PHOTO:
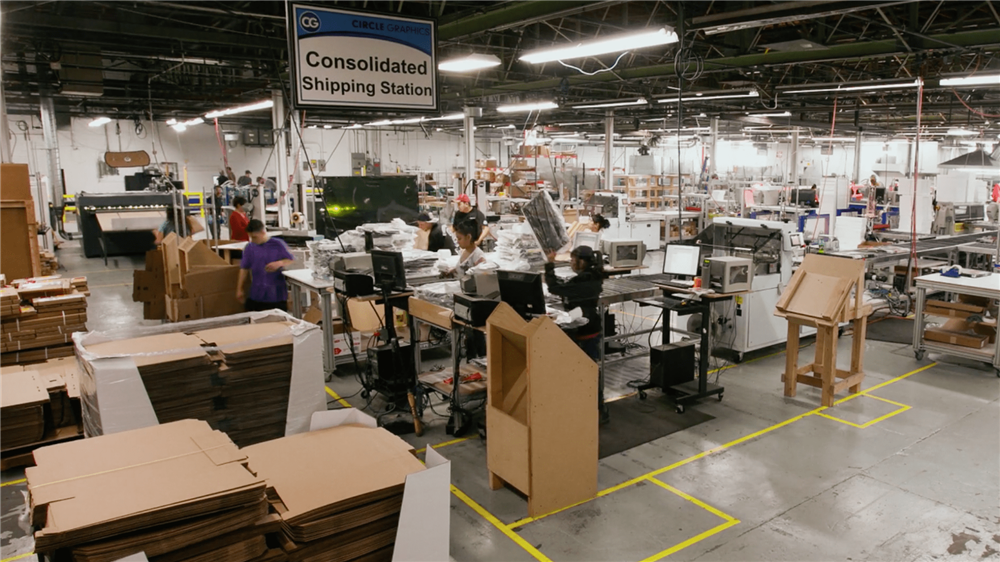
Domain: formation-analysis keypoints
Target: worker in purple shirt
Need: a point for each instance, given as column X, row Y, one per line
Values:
column 264, row 258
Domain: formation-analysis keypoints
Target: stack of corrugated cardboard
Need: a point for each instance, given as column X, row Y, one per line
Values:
column 180, row 379
column 41, row 328
column 61, row 406
column 49, row 263
column 18, row 226
column 184, row 279
column 178, row 491
column 237, row 378
column 255, row 371
column 22, row 409
column 350, row 517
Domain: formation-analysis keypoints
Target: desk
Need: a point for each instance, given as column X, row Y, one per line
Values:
column 299, row 279
column 987, row 286
column 458, row 394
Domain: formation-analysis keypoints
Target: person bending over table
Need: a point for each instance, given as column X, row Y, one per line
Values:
column 264, row 258
column 581, row 291
column 437, row 239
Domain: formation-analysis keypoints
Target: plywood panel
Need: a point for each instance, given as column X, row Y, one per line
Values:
column 18, row 231
column 562, row 417
column 507, row 452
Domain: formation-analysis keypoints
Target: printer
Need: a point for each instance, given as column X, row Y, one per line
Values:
column 727, row 274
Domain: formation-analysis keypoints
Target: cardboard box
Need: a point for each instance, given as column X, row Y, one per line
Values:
column 209, row 305
column 975, row 341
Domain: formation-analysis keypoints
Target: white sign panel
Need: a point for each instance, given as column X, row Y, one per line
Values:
column 342, row 58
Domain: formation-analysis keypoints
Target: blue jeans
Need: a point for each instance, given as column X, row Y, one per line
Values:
column 591, row 346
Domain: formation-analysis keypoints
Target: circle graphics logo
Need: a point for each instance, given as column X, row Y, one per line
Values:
column 309, row 21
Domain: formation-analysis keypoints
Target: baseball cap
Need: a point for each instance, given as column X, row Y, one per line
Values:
column 464, row 198
column 423, row 217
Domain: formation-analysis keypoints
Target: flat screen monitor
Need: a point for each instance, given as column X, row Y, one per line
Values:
column 681, row 259
column 522, row 291
column 388, row 270
column 353, row 201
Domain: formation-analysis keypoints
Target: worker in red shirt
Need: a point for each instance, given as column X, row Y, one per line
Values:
column 238, row 220
column 996, row 192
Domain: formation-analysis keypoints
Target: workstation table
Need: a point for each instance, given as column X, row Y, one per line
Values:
column 685, row 304
column 301, row 281
column 987, row 286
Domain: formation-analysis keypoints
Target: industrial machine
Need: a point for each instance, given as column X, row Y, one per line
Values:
column 748, row 323
column 727, row 274
column 120, row 223
column 624, row 226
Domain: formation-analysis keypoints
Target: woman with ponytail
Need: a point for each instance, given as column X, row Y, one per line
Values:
column 581, row 291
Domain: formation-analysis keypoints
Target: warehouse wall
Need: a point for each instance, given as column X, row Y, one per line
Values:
column 82, row 147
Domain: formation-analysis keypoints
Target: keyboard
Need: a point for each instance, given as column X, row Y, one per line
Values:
column 682, row 283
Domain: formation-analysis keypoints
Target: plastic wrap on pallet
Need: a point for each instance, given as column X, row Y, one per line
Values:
column 113, row 396
column 546, row 222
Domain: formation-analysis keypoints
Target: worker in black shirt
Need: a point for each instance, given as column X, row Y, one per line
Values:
column 466, row 212
column 437, row 239
column 581, row 291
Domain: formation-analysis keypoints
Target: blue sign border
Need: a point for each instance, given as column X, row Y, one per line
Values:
column 296, row 32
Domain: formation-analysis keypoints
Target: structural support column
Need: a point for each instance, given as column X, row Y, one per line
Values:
column 52, row 165
column 793, row 159
column 609, row 148
column 470, row 157
column 280, row 160
column 713, row 149
column 857, row 157
column 6, row 155
column 299, row 160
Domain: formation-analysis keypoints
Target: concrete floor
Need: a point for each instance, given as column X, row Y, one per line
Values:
column 907, row 471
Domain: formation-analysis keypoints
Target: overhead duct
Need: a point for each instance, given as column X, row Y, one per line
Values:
column 82, row 73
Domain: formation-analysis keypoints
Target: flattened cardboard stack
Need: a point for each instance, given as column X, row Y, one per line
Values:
column 236, row 378
column 178, row 491
column 49, row 263
column 256, row 372
column 189, row 278
column 22, row 409
column 60, row 407
column 41, row 327
column 353, row 516
column 181, row 380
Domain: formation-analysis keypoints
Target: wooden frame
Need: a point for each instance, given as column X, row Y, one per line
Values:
column 541, row 415
column 819, row 295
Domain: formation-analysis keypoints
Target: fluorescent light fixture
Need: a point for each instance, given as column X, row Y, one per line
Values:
column 613, row 44
column 354, row 126
column 331, row 126
column 311, row 127
column 961, row 133
column 469, row 63
column 522, row 107
column 449, row 117
column 569, row 140
column 778, row 114
column 239, row 109
column 750, row 94
column 100, row 121
column 859, row 88
column 834, row 139
column 181, row 127
column 580, row 124
column 381, row 123
column 407, row 121
column 984, row 80
column 640, row 101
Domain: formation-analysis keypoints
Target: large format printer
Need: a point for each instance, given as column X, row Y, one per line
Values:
column 120, row 223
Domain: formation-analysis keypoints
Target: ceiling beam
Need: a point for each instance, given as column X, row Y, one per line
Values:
column 516, row 14
column 849, row 51
column 780, row 12
column 26, row 19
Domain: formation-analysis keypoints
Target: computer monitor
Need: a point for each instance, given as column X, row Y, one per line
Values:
column 624, row 253
column 682, row 259
column 522, row 291
column 388, row 270
column 584, row 238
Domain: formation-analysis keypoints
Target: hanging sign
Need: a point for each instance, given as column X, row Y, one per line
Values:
column 344, row 58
